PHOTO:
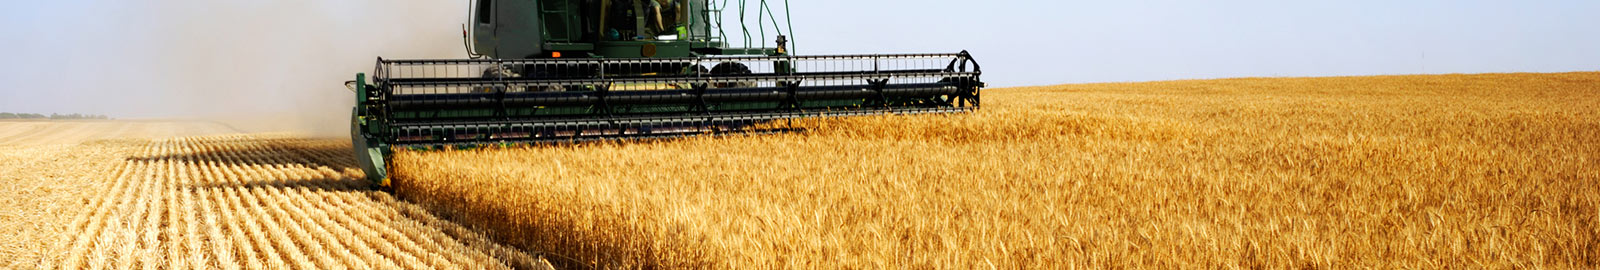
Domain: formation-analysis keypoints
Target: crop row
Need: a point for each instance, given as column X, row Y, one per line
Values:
column 259, row 202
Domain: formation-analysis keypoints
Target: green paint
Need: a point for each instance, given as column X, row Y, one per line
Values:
column 511, row 29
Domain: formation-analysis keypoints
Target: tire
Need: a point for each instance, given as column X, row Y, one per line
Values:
column 496, row 72
column 731, row 68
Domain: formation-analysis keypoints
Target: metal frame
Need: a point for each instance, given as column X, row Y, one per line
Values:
column 421, row 103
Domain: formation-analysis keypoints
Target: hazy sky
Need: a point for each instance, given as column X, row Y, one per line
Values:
column 227, row 58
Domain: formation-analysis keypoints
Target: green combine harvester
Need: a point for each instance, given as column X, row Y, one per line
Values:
column 582, row 70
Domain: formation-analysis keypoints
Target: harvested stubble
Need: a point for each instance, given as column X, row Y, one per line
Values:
column 48, row 167
column 250, row 202
column 1490, row 170
column 39, row 185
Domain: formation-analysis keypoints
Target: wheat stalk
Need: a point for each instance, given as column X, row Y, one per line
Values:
column 1469, row 171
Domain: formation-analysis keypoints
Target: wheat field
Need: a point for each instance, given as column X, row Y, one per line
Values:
column 258, row 201
column 46, row 167
column 1434, row 171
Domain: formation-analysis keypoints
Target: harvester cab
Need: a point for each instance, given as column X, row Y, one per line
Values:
column 580, row 70
column 532, row 29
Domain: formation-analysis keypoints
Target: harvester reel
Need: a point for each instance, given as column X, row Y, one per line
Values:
column 425, row 103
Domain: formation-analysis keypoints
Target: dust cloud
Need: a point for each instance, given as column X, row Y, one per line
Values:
column 255, row 65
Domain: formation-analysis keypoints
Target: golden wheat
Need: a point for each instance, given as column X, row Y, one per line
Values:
column 1472, row 171
column 223, row 202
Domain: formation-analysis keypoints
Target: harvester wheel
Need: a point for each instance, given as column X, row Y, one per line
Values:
column 691, row 70
column 731, row 68
column 497, row 73
column 544, row 72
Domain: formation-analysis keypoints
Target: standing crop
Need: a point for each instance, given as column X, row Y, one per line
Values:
column 1474, row 171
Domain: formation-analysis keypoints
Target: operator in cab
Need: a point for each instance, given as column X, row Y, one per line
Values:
column 666, row 18
column 661, row 21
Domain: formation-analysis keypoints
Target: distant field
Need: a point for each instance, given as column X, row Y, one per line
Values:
column 36, row 132
column 1468, row 171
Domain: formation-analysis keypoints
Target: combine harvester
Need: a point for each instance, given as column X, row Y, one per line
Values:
column 580, row 70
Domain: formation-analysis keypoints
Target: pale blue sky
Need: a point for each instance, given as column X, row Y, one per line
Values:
column 178, row 58
column 1049, row 42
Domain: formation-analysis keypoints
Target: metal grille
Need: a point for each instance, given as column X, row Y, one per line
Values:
column 459, row 101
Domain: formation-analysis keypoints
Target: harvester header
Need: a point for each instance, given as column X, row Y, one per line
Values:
column 577, row 95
